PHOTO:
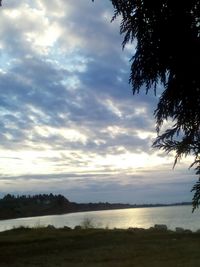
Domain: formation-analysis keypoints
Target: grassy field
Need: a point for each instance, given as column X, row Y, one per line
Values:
column 98, row 248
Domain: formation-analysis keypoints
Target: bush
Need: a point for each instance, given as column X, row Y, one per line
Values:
column 87, row 223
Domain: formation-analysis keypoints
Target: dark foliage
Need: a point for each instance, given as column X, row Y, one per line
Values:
column 25, row 206
column 167, row 33
column 48, row 204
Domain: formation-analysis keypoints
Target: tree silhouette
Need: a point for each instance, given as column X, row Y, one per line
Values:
column 167, row 35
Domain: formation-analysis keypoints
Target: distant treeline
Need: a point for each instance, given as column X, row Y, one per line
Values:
column 26, row 206
column 48, row 204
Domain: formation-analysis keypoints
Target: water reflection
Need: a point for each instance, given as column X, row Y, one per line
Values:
column 181, row 216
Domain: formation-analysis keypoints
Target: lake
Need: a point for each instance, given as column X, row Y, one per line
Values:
column 177, row 216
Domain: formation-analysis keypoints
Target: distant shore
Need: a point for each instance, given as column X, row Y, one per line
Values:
column 12, row 207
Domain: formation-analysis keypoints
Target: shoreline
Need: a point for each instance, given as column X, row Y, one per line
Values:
column 162, row 228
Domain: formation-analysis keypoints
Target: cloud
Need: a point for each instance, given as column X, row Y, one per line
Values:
column 67, row 114
column 113, row 187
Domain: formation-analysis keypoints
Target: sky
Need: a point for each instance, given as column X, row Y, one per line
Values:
column 69, row 123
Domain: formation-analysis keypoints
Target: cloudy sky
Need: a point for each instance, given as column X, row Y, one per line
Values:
column 69, row 122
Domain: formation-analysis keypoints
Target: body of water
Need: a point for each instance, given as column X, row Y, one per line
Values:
column 178, row 216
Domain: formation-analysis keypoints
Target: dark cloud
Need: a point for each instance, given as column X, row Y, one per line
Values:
column 120, row 187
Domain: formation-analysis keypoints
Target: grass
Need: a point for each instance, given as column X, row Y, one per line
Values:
column 43, row 247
